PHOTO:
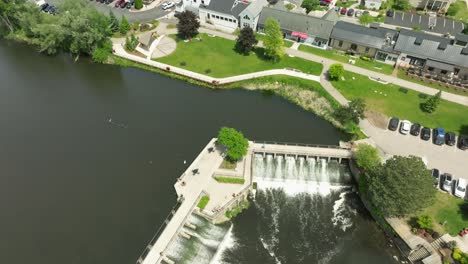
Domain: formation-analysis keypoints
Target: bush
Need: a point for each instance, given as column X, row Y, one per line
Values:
column 138, row 4
column 207, row 70
column 452, row 244
column 101, row 53
column 136, row 25
column 425, row 222
column 336, row 71
column 367, row 157
column 365, row 58
column 453, row 10
column 430, row 106
column 124, row 26
column 183, row 63
column 289, row 6
column 230, row 180
column 203, row 202
column 131, row 43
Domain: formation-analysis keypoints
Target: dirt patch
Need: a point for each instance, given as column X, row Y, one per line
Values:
column 377, row 119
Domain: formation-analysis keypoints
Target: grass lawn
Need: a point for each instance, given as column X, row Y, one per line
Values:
column 449, row 209
column 203, row 202
column 331, row 54
column 458, row 11
column 216, row 57
column 226, row 164
column 286, row 43
column 402, row 75
column 345, row 4
column 226, row 179
column 448, row 115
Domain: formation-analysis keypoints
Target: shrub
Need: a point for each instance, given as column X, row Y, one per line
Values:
column 336, row 71
column 365, row 58
column 203, row 202
column 452, row 244
column 131, row 43
column 453, row 10
column 430, row 106
column 207, row 70
column 230, row 180
column 102, row 52
column 183, row 63
column 136, row 25
column 425, row 222
column 367, row 157
column 289, row 6
column 138, row 4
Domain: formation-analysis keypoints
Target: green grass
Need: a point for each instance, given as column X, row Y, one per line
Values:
column 449, row 209
column 226, row 179
column 203, row 202
column 451, row 116
column 347, row 4
column 402, row 75
column 458, row 11
column 216, row 57
column 331, row 54
column 228, row 165
column 286, row 43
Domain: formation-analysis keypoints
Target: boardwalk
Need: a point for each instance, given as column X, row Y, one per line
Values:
column 303, row 150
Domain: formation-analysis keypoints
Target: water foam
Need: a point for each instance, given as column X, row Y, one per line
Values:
column 339, row 210
column 228, row 242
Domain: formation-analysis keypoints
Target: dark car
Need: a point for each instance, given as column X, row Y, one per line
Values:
column 425, row 133
column 436, row 174
column 350, row 12
column 53, row 10
column 102, row 1
column 390, row 13
column 438, row 136
column 130, row 4
column 119, row 2
column 123, row 4
column 450, row 138
column 463, row 142
column 43, row 6
column 109, row 1
column 393, row 124
column 343, row 11
column 47, row 9
column 415, row 129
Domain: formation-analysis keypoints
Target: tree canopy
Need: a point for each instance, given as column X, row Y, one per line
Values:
column 431, row 104
column 354, row 111
column 246, row 40
column 402, row 186
column 124, row 26
column 366, row 19
column 188, row 24
column 138, row 4
column 336, row 71
column 367, row 157
column 310, row 5
column 234, row 141
column 273, row 40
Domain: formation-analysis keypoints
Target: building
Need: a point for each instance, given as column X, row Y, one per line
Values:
column 302, row 28
column 191, row 5
column 249, row 17
column 439, row 58
column 432, row 5
column 374, row 41
column 373, row 4
column 222, row 14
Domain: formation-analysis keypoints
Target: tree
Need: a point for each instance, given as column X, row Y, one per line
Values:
column 124, row 26
column 101, row 53
column 424, row 222
column 430, row 106
column 403, row 185
column 234, row 141
column 366, row 19
column 273, row 40
column 131, row 43
column 188, row 24
column 310, row 5
column 138, row 4
column 353, row 112
column 402, row 5
column 114, row 22
column 367, row 157
column 246, row 40
column 336, row 71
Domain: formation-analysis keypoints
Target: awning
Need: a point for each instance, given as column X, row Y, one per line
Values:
column 299, row 34
column 439, row 65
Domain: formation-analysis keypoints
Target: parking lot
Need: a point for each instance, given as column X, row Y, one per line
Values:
column 448, row 159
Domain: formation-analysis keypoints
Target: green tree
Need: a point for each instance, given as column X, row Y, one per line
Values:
column 101, row 53
column 431, row 104
column 402, row 5
column 234, row 141
column 425, row 222
column 354, row 111
column 131, row 43
column 246, row 40
column 138, row 4
column 124, row 26
column 366, row 19
column 310, row 5
column 273, row 41
column 188, row 24
column 114, row 22
column 402, row 186
column 336, row 71
column 367, row 157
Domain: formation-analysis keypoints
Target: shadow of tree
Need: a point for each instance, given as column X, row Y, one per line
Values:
column 413, row 222
column 464, row 129
column 464, row 210
column 260, row 53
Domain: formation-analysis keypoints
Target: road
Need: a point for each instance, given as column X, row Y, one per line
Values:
column 143, row 16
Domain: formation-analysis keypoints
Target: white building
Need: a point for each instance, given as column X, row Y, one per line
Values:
column 373, row 4
column 249, row 17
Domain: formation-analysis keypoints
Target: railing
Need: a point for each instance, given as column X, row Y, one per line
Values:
column 299, row 144
column 160, row 230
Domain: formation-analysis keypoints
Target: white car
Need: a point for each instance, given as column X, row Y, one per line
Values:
column 167, row 5
column 448, row 180
column 405, row 127
column 460, row 188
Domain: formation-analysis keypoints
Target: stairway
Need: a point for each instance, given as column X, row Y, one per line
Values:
column 438, row 243
column 419, row 254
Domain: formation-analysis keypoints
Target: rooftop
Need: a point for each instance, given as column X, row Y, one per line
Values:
column 231, row 7
column 375, row 37
column 440, row 25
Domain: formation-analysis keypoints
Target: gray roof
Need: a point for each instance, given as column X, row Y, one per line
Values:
column 379, row 38
column 439, row 65
column 461, row 37
column 226, row 7
column 439, row 25
column 290, row 21
column 432, row 47
column 256, row 7
column 331, row 15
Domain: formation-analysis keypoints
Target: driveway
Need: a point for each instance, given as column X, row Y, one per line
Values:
column 143, row 16
column 445, row 158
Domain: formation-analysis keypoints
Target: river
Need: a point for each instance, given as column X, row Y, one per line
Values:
column 78, row 189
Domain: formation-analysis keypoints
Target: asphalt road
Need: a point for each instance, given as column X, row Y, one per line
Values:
column 143, row 16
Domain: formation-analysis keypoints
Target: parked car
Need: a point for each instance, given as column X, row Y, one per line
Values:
column 337, row 9
column 167, row 5
column 43, row 6
column 460, row 188
column 102, row 1
column 130, row 4
column 415, row 129
column 366, row 13
column 450, row 138
column 119, row 2
column 124, row 4
column 425, row 133
column 438, row 136
column 405, row 127
column 109, row 1
column 463, row 142
column 390, row 13
column 343, row 11
column 350, row 12
column 47, row 9
column 448, row 181
column 324, row 3
column 393, row 124
column 358, row 13
column 436, row 174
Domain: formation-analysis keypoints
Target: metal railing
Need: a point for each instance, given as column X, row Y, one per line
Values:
column 299, row 144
